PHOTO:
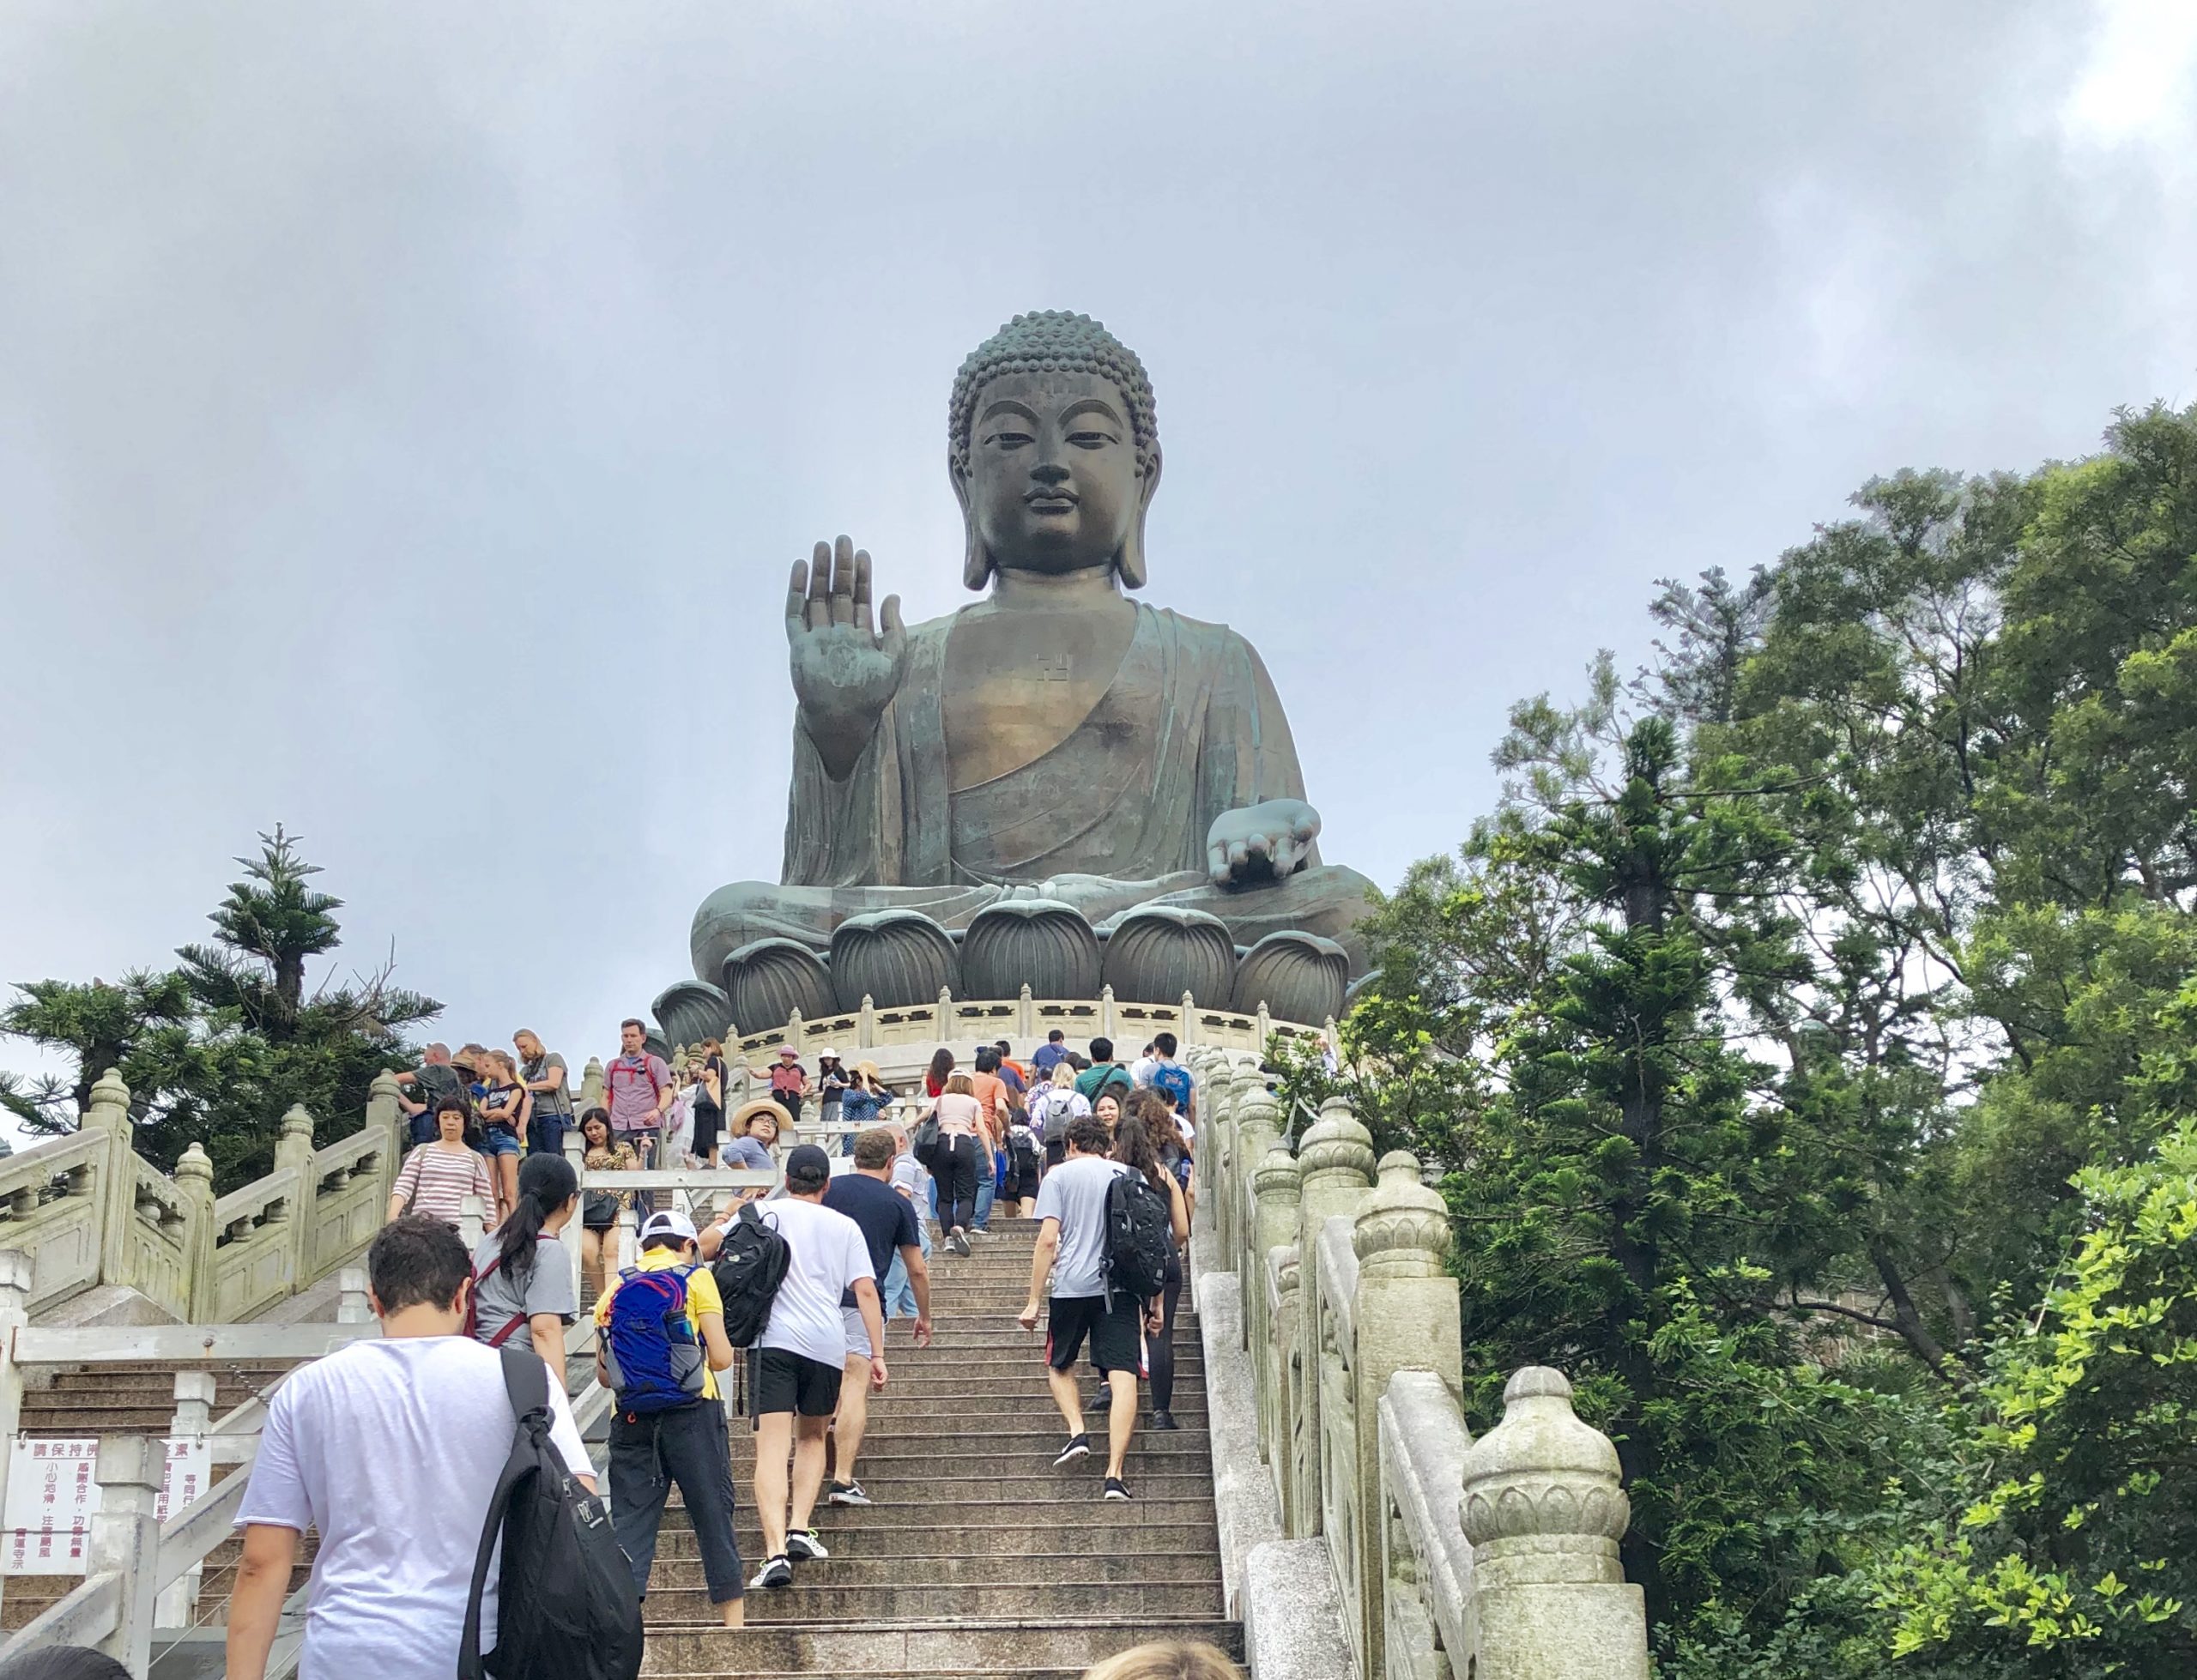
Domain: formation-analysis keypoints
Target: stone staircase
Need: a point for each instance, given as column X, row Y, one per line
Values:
column 978, row 1557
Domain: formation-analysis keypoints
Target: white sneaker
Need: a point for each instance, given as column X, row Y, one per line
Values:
column 775, row 1573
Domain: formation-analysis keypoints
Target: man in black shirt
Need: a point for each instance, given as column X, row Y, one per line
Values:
column 887, row 1220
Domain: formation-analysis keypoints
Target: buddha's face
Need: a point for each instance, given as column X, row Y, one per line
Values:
column 1053, row 485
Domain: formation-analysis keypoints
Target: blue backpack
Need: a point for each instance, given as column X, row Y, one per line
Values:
column 1174, row 1078
column 649, row 1347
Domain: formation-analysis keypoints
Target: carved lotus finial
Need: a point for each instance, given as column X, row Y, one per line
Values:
column 1276, row 1175
column 1403, row 1230
column 1543, row 1499
column 193, row 1164
column 1336, row 1142
column 1257, row 1106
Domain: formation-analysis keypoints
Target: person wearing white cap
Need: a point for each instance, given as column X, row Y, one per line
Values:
column 801, row 1357
column 661, row 1346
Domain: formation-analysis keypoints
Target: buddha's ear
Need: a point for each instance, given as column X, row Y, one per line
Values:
column 1130, row 563
column 975, row 562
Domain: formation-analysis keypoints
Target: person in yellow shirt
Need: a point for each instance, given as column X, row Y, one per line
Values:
column 670, row 1429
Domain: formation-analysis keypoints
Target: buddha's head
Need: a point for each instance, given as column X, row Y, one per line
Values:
column 1054, row 449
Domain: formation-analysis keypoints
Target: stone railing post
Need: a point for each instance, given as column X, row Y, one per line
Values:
column 1274, row 1189
column 353, row 1304
column 472, row 1222
column 590, row 1086
column 1025, row 1017
column 1254, row 1123
column 866, row 1022
column 1335, row 1162
column 1293, row 1372
column 194, row 1183
column 194, row 1416
column 126, row 1539
column 1187, row 1034
column 1544, row 1510
column 115, row 1175
column 385, row 1120
column 294, row 1149
column 1107, row 1015
column 943, row 1015
column 16, row 1275
column 1406, row 1321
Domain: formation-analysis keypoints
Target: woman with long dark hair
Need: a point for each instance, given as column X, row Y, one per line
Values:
column 599, row 1215
column 521, row 1275
column 1133, row 1149
column 940, row 1070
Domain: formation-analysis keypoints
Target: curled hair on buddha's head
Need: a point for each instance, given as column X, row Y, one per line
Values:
column 1055, row 341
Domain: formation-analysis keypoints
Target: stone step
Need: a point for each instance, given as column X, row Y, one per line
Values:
column 907, row 1411
column 1126, row 1566
column 978, row 1569
column 1058, row 1505
column 1076, row 1673
column 1023, row 1348
column 1011, row 1453
column 1144, row 1480
column 898, row 1536
column 840, row 1605
column 927, row 1648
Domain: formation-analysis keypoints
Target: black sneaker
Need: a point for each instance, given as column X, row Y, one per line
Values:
column 1079, row 1447
column 1163, row 1419
column 958, row 1242
column 777, row 1573
column 1116, row 1488
column 847, row 1492
column 803, row 1547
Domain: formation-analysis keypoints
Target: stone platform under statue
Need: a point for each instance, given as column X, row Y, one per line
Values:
column 1056, row 786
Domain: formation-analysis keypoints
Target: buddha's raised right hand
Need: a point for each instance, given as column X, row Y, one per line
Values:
column 844, row 674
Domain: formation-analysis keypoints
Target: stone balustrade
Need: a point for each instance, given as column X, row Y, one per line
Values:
column 964, row 1022
column 1363, row 1529
column 88, row 1210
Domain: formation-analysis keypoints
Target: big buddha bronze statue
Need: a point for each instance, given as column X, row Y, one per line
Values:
column 1054, row 744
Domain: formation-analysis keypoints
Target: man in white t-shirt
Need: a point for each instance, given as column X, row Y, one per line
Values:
column 801, row 1357
column 1072, row 1252
column 390, row 1449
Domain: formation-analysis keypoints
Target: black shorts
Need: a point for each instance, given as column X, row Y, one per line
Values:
column 1022, row 1182
column 1116, row 1337
column 709, row 1129
column 791, row 1383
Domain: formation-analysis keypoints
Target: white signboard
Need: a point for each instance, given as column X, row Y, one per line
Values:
column 51, row 1499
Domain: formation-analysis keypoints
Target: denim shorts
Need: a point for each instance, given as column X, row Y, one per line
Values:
column 498, row 1140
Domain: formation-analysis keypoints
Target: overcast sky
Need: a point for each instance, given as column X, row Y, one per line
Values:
column 409, row 413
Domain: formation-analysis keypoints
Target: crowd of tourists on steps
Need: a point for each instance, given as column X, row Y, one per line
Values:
column 418, row 1456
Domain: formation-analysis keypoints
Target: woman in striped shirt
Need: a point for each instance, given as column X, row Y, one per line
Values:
column 437, row 1177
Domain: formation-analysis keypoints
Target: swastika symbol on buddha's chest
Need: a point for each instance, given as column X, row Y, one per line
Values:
column 1052, row 668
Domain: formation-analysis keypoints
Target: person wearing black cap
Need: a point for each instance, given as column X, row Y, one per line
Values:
column 801, row 1357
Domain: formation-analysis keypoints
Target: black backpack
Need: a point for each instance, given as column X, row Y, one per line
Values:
column 1140, row 1237
column 565, row 1604
column 748, row 1270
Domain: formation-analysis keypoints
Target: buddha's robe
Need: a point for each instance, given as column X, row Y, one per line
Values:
column 1112, row 817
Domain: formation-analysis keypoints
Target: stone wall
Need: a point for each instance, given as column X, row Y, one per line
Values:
column 1363, row 1530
